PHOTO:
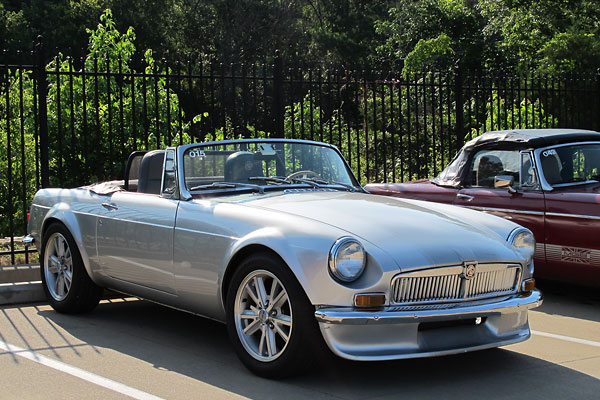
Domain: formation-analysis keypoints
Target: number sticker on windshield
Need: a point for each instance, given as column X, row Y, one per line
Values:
column 267, row 149
column 551, row 152
column 197, row 153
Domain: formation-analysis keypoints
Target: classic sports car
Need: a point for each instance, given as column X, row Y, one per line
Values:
column 547, row 180
column 277, row 239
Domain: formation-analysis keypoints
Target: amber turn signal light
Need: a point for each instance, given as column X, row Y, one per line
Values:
column 369, row 300
column 528, row 285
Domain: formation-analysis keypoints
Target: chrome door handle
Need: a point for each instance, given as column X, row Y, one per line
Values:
column 465, row 196
column 110, row 206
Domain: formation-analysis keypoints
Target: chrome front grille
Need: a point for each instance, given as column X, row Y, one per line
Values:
column 451, row 284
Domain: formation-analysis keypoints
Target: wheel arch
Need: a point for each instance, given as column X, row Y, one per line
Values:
column 237, row 259
column 62, row 214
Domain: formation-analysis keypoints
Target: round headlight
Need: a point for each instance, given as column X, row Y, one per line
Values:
column 347, row 259
column 522, row 239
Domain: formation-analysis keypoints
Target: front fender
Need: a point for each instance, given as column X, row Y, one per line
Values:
column 290, row 249
column 307, row 257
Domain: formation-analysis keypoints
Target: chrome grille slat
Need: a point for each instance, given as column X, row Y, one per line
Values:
column 447, row 283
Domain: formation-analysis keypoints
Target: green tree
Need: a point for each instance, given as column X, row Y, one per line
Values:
column 90, row 118
column 412, row 24
column 20, row 132
column 544, row 35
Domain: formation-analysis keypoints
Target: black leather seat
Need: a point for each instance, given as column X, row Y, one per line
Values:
column 242, row 165
column 151, row 170
column 489, row 167
column 551, row 168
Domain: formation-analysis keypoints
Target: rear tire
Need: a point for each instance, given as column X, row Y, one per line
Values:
column 66, row 283
column 270, row 320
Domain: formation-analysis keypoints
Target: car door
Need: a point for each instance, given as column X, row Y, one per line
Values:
column 134, row 238
column 522, row 203
column 572, row 213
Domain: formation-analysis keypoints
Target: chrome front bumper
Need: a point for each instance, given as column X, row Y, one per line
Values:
column 397, row 332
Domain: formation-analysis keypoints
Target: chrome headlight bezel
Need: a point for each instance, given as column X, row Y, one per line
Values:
column 523, row 240
column 336, row 268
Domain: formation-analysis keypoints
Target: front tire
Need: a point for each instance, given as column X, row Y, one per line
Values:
column 270, row 321
column 66, row 283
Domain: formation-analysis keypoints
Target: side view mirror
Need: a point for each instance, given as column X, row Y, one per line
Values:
column 505, row 181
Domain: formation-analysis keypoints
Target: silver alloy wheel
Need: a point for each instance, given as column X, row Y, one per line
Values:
column 263, row 315
column 58, row 266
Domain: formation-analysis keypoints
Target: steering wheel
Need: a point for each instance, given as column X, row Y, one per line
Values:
column 304, row 174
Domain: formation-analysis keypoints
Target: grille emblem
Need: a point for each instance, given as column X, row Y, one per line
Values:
column 470, row 269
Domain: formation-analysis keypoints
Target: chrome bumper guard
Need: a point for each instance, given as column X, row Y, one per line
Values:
column 440, row 312
column 28, row 240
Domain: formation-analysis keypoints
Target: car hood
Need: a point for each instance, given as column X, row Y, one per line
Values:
column 414, row 233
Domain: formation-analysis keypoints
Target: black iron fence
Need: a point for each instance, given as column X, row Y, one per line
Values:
column 65, row 122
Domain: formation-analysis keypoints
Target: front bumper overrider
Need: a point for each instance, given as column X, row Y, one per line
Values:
column 396, row 332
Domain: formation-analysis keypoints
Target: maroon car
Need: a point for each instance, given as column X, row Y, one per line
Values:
column 547, row 180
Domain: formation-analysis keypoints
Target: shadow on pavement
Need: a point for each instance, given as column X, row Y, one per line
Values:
column 570, row 300
column 198, row 348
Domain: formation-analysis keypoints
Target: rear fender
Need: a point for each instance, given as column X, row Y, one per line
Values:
column 62, row 212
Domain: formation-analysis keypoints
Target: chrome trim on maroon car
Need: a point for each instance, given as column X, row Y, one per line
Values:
column 506, row 210
column 551, row 214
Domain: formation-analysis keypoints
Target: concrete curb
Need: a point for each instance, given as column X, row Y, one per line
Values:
column 21, row 292
column 21, row 284
column 19, row 273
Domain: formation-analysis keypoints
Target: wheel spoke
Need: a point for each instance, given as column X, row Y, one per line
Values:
column 252, row 295
column 283, row 320
column 252, row 327
column 260, row 286
column 59, row 286
column 280, row 331
column 271, row 344
column 278, row 301
column 67, row 278
column 53, row 264
column 273, row 290
column 60, row 246
column 261, row 344
column 249, row 314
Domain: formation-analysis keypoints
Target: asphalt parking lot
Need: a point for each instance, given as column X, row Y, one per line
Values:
column 129, row 347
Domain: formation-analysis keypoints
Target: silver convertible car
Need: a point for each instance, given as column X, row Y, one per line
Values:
column 277, row 239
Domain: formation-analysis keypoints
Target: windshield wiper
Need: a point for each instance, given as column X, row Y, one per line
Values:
column 227, row 185
column 324, row 182
column 308, row 181
column 277, row 179
column 314, row 182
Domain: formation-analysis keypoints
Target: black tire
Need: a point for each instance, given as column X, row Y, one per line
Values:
column 83, row 294
column 305, row 340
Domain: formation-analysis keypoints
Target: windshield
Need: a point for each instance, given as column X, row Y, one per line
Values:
column 575, row 164
column 264, row 165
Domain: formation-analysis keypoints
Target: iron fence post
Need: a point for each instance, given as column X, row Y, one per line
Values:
column 459, row 107
column 278, row 107
column 42, row 84
column 598, row 99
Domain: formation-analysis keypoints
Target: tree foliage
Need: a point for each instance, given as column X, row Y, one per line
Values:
column 90, row 120
column 498, row 35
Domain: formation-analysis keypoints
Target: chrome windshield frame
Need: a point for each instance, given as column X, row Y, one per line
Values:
column 187, row 195
column 538, row 161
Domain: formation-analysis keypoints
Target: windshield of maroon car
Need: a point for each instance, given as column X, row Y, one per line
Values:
column 264, row 163
column 575, row 164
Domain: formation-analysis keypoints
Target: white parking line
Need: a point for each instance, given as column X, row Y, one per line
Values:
column 566, row 338
column 80, row 373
